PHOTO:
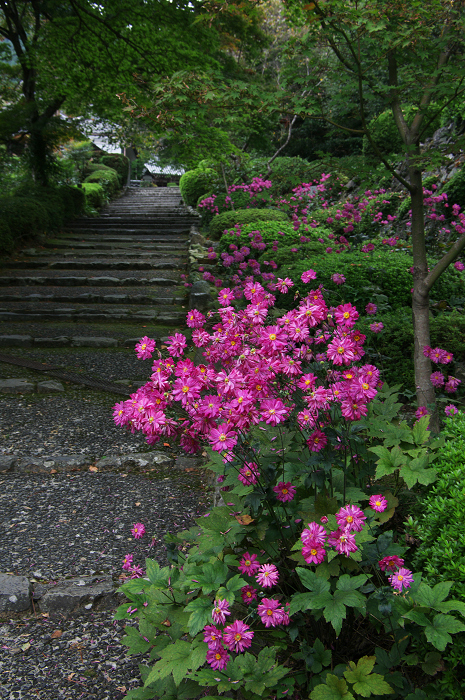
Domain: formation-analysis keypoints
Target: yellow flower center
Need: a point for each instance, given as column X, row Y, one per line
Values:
column 185, row 389
column 143, row 346
column 273, row 336
column 350, row 519
column 346, row 314
column 222, row 437
column 269, row 612
column 238, row 637
column 340, row 350
column 400, row 578
column 313, row 552
column 248, row 562
column 377, row 503
column 284, row 491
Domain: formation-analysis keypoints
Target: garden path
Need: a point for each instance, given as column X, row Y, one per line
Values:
column 72, row 483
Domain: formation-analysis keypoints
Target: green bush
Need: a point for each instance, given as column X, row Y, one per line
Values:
column 455, row 189
column 194, row 183
column 118, row 162
column 107, row 178
column 7, row 241
column 387, row 270
column 240, row 200
column 386, row 135
column 287, row 173
column 94, row 194
column 229, row 219
column 74, row 200
column 441, row 554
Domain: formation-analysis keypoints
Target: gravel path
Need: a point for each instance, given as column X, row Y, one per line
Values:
column 66, row 525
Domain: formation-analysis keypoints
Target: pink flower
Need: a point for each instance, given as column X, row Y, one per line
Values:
column 378, row 503
column 145, row 348
column 271, row 614
column 176, row 345
column 195, row 319
column 459, row 266
column 218, row 658
column 248, row 594
column 313, row 554
column 371, row 309
column 390, row 563
column 249, row 564
column 337, row 278
column 136, row 571
column 317, row 441
column 284, row 491
column 341, row 351
column 351, row 517
column 437, row 379
column 267, row 576
column 225, row 297
column 220, row 611
column 452, row 384
column 421, row 411
column 222, row 438
column 249, row 475
column 127, row 562
column 212, row 636
column 308, row 275
column 401, row 579
column 343, row 541
column 376, row 327
column 451, row 410
column 238, row 636
column 346, row 315
column 138, row 530
column 273, row 411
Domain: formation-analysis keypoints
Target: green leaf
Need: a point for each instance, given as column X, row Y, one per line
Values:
column 157, row 577
column 432, row 596
column 335, row 612
column 201, row 614
column 420, row 431
column 312, row 581
column 432, row 663
column 365, row 682
column 438, row 632
column 388, row 462
column 351, row 583
column 334, row 689
column 211, row 577
column 178, row 659
column 415, row 471
column 135, row 643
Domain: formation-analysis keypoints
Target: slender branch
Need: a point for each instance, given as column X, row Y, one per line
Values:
column 445, row 261
column 291, row 124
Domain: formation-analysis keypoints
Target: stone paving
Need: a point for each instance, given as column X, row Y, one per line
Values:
column 121, row 269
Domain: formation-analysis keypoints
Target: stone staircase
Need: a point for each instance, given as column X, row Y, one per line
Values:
column 124, row 266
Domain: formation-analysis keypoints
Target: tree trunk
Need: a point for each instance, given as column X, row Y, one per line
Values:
column 420, row 301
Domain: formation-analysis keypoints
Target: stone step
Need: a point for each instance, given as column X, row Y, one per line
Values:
column 92, row 265
column 82, row 281
column 90, row 298
column 102, row 243
column 168, row 317
column 171, row 255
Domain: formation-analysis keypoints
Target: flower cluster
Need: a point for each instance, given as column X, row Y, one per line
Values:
column 399, row 577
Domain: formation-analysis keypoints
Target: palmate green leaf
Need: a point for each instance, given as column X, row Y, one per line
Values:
column 351, row 583
column 438, row 632
column 135, row 643
column 178, row 659
column 210, row 577
column 388, row 461
column 334, row 689
column 416, row 471
column 157, row 577
column 311, row 581
column 420, row 431
column 432, row 596
column 365, row 682
column 201, row 614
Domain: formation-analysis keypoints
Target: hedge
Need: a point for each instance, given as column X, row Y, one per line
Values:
column 32, row 211
column 95, row 194
column 229, row 219
column 387, row 270
column 107, row 178
column 118, row 162
column 194, row 183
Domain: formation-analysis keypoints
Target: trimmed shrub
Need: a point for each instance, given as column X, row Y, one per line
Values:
column 240, row 200
column 74, row 199
column 194, row 183
column 108, row 179
column 387, row 270
column 94, row 194
column 118, row 162
column 283, row 232
column 441, row 555
column 229, row 219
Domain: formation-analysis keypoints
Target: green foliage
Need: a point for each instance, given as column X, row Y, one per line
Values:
column 287, row 173
column 194, row 183
column 441, row 530
column 108, row 179
column 95, row 194
column 118, row 162
column 270, row 231
column 455, row 188
column 229, row 219
column 7, row 240
column 386, row 135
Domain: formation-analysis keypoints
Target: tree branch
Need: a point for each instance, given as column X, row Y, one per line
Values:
column 445, row 261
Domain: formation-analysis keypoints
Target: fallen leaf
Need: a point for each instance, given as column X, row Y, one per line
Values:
column 138, row 503
column 166, row 622
column 26, row 646
column 123, row 475
column 122, row 688
column 189, row 469
column 93, row 469
column 166, row 444
column 56, row 634
column 70, row 677
column 244, row 519
column 53, row 471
